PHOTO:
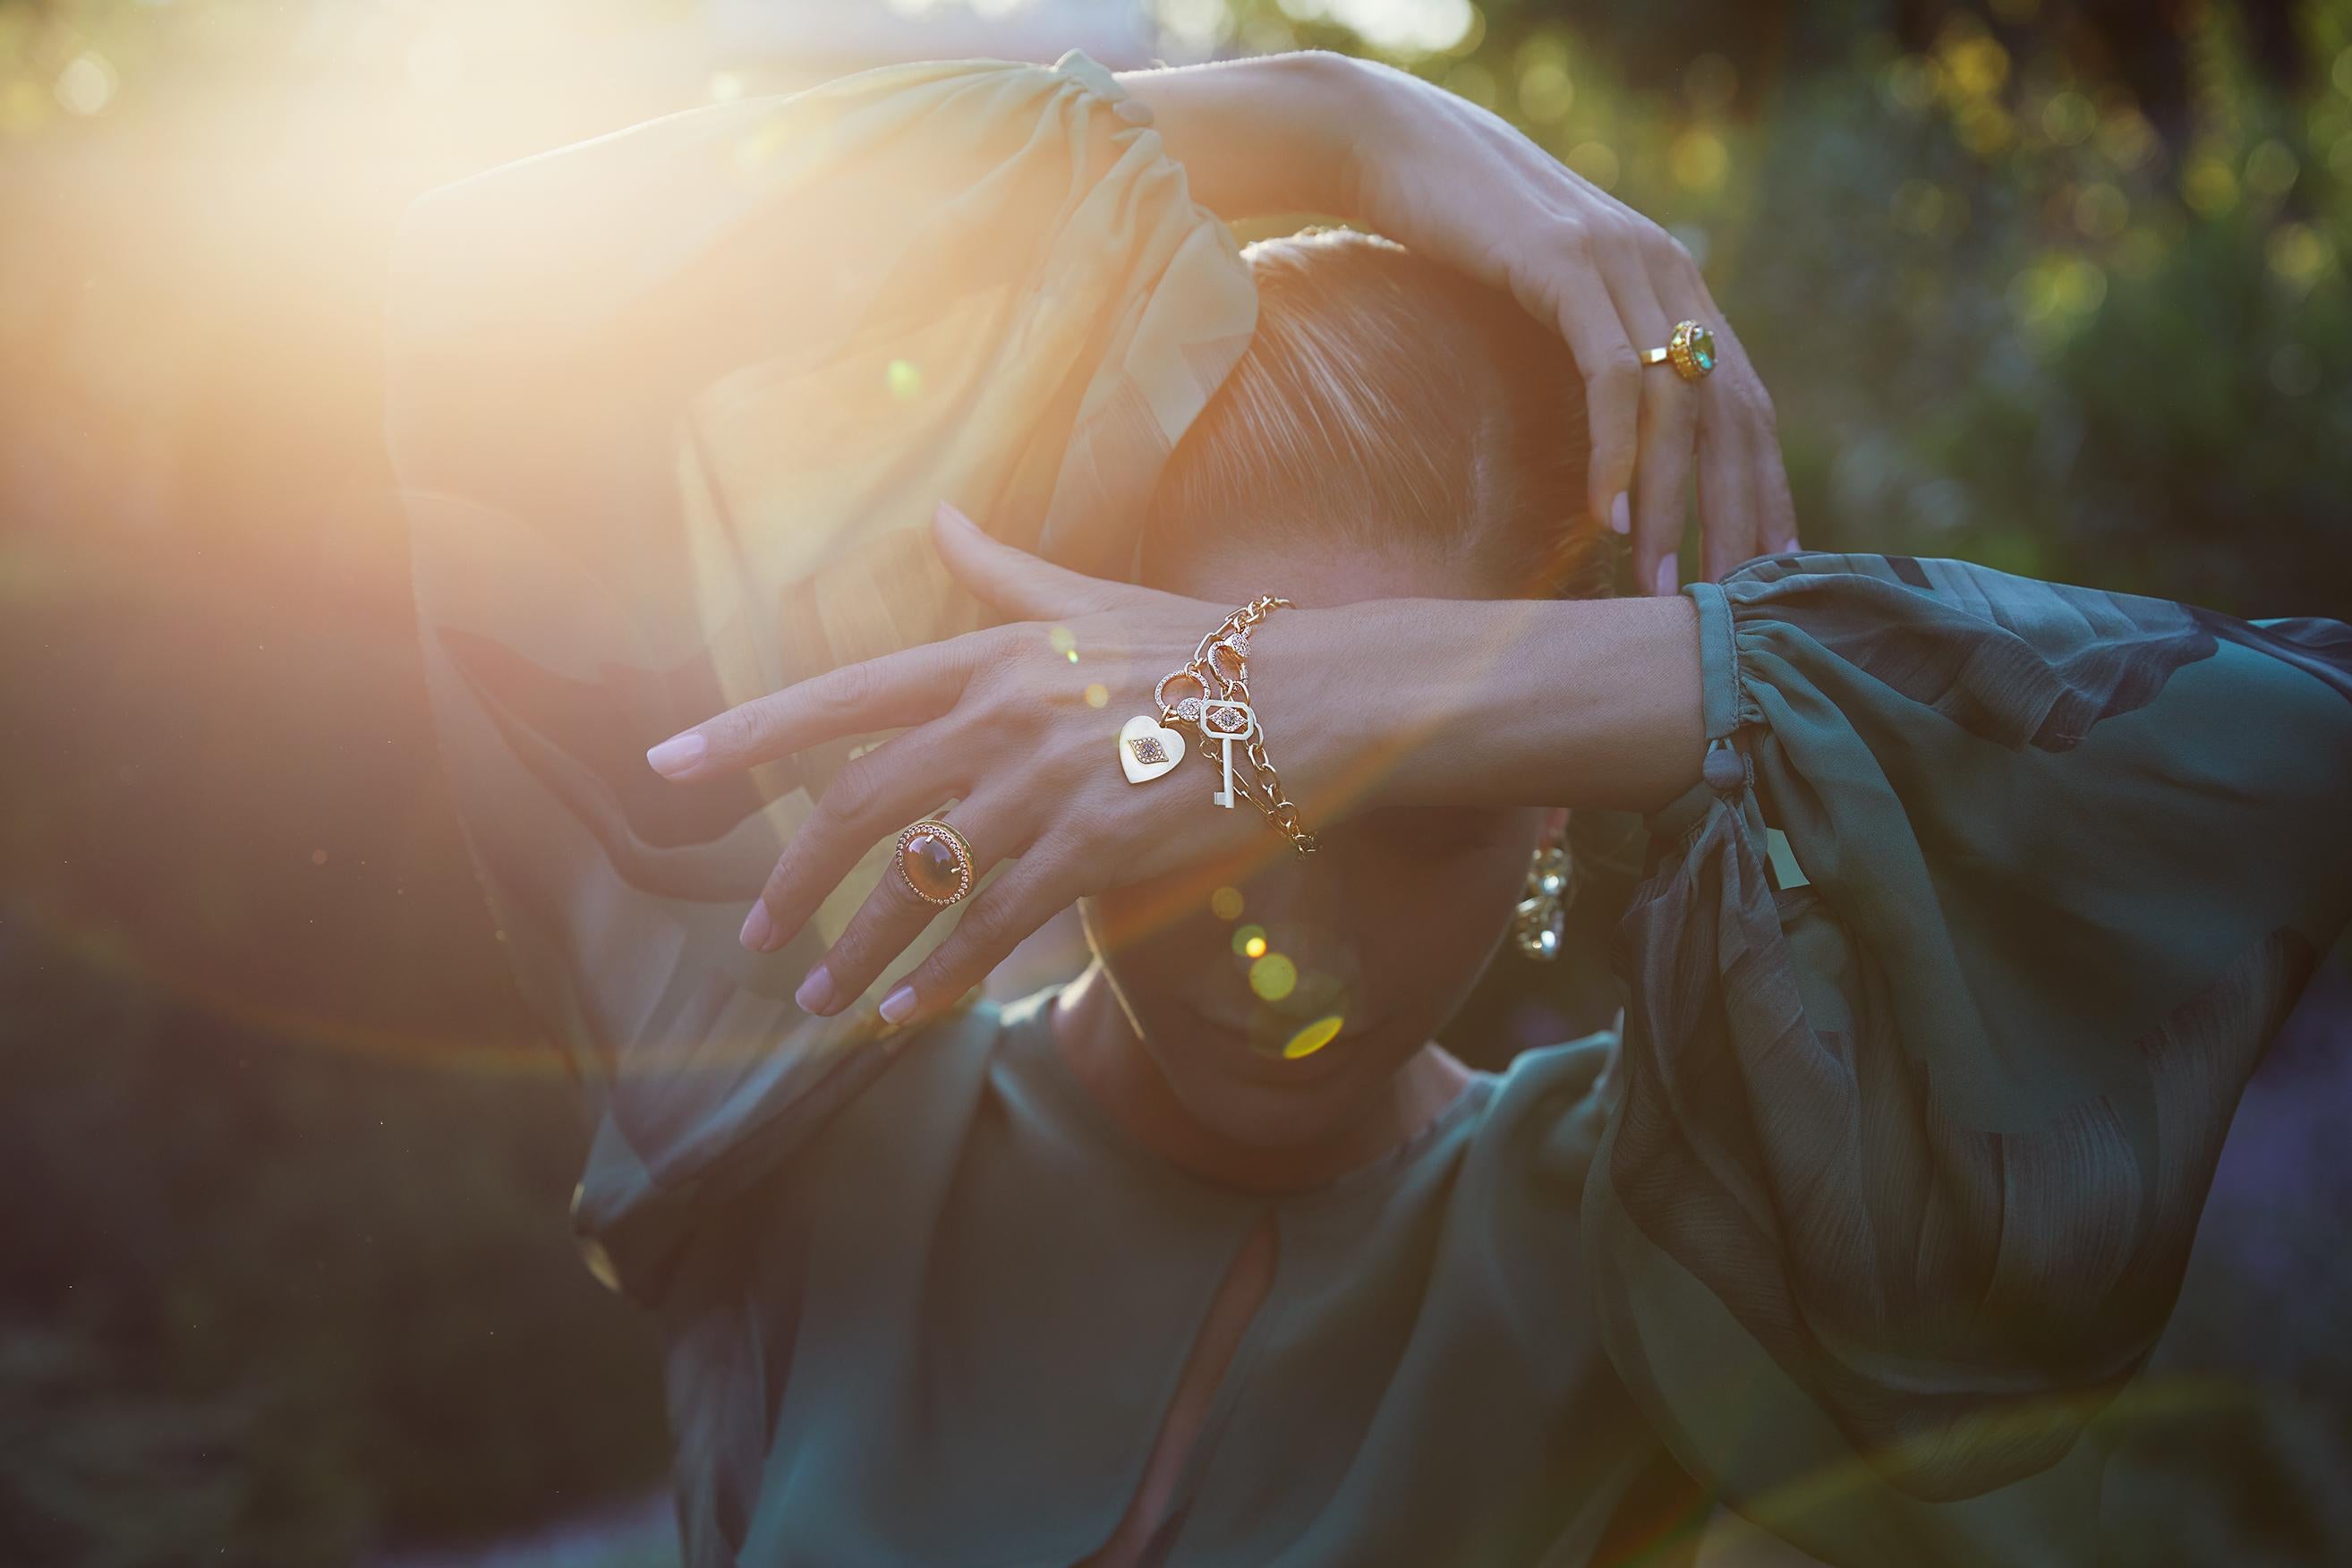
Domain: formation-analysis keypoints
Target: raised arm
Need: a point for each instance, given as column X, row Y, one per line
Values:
column 1385, row 151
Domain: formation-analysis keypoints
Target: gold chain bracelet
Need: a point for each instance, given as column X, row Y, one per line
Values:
column 1221, row 713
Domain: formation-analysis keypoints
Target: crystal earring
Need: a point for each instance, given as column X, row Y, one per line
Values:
column 1543, row 916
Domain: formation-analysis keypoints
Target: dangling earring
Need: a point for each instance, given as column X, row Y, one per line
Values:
column 1543, row 916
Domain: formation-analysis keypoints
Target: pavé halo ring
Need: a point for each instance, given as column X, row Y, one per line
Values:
column 935, row 861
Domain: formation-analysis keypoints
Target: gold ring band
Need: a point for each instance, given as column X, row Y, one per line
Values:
column 1691, row 351
column 936, row 862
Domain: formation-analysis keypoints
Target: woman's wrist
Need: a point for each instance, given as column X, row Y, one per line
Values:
column 1276, row 133
column 1590, row 703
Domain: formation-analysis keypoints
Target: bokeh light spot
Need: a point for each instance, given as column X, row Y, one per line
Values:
column 1597, row 162
column 903, row 379
column 1700, row 161
column 1245, row 937
column 1273, row 977
column 1225, row 903
column 2069, row 118
column 1255, row 947
column 1314, row 1036
column 2298, row 254
column 87, row 84
column 2209, row 186
column 1546, row 93
column 1098, row 694
column 2271, row 169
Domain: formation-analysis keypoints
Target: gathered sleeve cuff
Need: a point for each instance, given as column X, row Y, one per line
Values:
column 1943, row 988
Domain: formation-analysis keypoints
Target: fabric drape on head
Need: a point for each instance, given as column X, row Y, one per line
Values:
column 671, row 410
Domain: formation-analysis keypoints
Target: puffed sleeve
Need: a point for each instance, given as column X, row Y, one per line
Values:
column 1943, row 989
column 670, row 411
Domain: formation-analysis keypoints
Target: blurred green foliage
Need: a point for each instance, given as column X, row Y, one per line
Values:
column 2056, row 285
column 2060, row 285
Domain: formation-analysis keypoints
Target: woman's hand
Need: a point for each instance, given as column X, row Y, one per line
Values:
column 1000, row 721
column 1444, row 177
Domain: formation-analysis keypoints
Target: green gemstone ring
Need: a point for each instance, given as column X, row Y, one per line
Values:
column 1691, row 351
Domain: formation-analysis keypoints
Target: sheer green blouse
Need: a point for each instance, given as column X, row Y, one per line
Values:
column 1940, row 992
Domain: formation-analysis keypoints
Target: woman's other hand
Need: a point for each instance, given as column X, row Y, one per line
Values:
column 1321, row 132
column 1446, row 178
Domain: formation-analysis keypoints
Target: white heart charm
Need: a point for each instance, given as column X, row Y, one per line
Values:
column 1146, row 749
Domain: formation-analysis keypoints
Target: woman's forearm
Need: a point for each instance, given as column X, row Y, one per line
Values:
column 1592, row 703
column 1257, row 137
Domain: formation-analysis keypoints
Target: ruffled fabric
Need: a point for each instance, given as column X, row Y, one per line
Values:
column 1920, row 1103
column 671, row 410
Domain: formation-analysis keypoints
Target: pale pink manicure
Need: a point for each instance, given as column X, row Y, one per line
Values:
column 678, row 755
column 757, row 929
column 1787, row 547
column 1669, row 575
column 897, row 1007
column 816, row 995
column 949, row 510
column 1621, row 514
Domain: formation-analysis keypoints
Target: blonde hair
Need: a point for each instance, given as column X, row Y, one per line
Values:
column 1389, row 403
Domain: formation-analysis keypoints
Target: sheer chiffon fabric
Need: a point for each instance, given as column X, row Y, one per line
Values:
column 1938, row 1007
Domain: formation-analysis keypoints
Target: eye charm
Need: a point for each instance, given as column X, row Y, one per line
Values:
column 1146, row 750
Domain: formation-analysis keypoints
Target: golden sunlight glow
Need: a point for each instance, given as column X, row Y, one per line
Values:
column 1225, row 903
column 1314, row 1036
column 1273, row 977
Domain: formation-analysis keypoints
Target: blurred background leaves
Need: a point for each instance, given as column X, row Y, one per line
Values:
column 2058, row 285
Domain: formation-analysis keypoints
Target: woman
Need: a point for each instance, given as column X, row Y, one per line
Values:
column 1972, row 900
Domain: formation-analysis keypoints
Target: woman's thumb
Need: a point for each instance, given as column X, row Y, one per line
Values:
column 1011, row 579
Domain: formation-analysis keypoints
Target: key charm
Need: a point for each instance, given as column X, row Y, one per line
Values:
column 1225, row 722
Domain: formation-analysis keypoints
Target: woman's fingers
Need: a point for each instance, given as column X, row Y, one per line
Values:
column 1776, row 508
column 1588, row 319
column 894, row 914
column 887, row 693
column 1025, row 896
column 1669, row 418
column 1022, row 585
column 876, row 793
column 1726, row 496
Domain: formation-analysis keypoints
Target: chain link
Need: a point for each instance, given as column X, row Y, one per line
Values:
column 1263, row 792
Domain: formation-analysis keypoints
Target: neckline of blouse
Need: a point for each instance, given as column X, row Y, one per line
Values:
column 1027, row 1049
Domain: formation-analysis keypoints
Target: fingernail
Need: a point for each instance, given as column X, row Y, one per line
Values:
column 757, row 929
column 1787, row 547
column 816, row 995
column 898, row 1006
column 952, row 515
column 1669, row 575
column 1621, row 514
column 678, row 755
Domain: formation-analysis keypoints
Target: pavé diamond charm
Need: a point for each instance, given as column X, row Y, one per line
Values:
column 1147, row 749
